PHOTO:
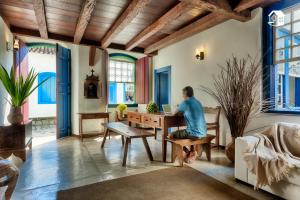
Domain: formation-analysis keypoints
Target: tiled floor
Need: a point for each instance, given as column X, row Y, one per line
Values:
column 60, row 164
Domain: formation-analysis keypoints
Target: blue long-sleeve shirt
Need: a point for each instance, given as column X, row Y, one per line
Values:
column 194, row 117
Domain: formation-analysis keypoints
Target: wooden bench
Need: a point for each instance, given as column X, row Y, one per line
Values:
column 178, row 144
column 128, row 133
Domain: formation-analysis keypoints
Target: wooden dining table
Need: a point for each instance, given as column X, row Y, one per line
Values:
column 156, row 120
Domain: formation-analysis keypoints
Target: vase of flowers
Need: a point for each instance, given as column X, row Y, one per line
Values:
column 19, row 89
column 121, row 108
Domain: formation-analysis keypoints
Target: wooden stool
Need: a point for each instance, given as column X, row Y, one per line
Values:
column 178, row 144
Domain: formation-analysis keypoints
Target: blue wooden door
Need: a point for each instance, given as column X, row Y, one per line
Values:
column 63, row 91
column 162, row 86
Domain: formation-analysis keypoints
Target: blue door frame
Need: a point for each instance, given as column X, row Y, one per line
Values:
column 157, row 72
column 63, row 91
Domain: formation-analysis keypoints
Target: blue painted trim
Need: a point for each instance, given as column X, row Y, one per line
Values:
column 156, row 72
column 40, row 44
column 267, row 41
column 111, row 55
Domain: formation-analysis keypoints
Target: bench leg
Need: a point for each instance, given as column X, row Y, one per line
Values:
column 147, row 149
column 122, row 139
column 179, row 152
column 208, row 151
column 173, row 153
column 155, row 133
column 125, row 151
column 199, row 149
column 104, row 138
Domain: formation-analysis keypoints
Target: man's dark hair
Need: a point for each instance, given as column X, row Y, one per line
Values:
column 188, row 91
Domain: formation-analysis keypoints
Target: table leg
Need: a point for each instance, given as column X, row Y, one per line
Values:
column 122, row 139
column 125, row 151
column 164, row 143
column 104, row 138
column 147, row 149
column 208, row 151
column 80, row 128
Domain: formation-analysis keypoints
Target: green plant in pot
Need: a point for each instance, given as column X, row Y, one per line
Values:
column 19, row 90
column 121, row 108
column 152, row 107
column 236, row 89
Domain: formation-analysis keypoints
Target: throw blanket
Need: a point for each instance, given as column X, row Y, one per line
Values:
column 275, row 153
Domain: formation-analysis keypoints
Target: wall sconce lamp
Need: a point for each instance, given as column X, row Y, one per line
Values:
column 199, row 54
column 16, row 44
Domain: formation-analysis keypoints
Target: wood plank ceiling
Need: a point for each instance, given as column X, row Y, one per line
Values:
column 137, row 25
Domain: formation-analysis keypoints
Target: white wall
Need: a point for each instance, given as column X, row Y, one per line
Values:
column 6, row 59
column 219, row 43
column 80, row 68
column 41, row 63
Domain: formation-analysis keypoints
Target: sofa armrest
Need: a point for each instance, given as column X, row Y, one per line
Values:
column 241, row 146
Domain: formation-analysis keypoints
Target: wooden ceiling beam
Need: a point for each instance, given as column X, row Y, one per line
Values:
column 172, row 14
column 246, row 4
column 39, row 10
column 4, row 19
column 34, row 33
column 133, row 9
column 83, row 20
column 222, row 7
column 201, row 24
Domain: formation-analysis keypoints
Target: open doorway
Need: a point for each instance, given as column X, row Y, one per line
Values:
column 42, row 102
column 49, row 107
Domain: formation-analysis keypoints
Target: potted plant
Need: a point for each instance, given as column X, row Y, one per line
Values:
column 19, row 90
column 121, row 108
column 152, row 107
column 236, row 89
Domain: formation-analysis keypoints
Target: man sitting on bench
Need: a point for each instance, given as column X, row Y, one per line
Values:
column 193, row 114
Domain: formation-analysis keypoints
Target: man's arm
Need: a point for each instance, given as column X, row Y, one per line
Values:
column 180, row 109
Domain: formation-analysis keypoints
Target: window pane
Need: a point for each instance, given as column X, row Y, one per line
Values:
column 287, row 17
column 283, row 54
column 283, row 31
column 293, row 86
column 287, row 93
column 121, row 86
column 129, row 93
column 296, row 39
column 296, row 27
column 283, row 42
column 296, row 52
column 296, row 15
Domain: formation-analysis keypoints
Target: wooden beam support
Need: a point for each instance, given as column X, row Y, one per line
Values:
column 134, row 8
column 92, row 55
column 4, row 19
column 39, row 10
column 172, row 14
column 222, row 7
column 245, row 4
column 83, row 20
column 201, row 24
column 34, row 33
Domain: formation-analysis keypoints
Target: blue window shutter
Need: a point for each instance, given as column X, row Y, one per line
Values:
column 113, row 92
column 47, row 91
